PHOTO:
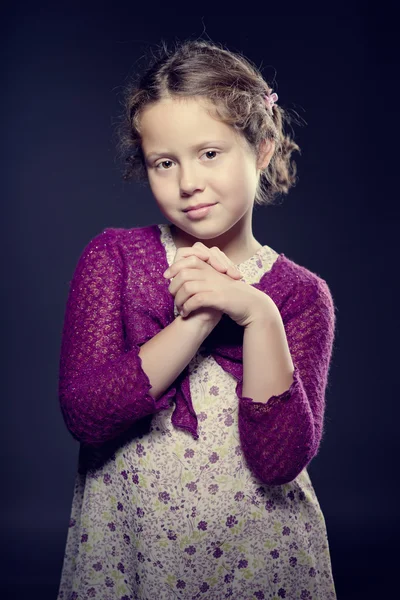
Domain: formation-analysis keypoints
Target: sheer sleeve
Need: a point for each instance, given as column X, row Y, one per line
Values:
column 279, row 438
column 103, row 389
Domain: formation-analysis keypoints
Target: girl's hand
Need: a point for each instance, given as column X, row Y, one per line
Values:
column 221, row 263
column 196, row 285
column 213, row 256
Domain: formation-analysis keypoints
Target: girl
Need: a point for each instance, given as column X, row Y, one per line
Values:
column 194, row 359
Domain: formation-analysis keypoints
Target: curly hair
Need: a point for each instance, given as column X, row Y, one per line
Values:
column 236, row 90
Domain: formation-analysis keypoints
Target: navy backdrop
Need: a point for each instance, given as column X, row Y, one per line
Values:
column 63, row 69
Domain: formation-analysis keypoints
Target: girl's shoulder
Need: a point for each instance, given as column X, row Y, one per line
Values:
column 144, row 234
column 126, row 239
column 294, row 287
column 287, row 271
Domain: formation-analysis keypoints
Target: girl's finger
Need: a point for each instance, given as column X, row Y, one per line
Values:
column 205, row 254
column 219, row 261
column 232, row 270
column 189, row 251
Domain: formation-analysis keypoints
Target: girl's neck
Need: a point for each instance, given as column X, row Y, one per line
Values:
column 237, row 252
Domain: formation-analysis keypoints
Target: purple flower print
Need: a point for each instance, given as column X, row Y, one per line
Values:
column 270, row 505
column 140, row 450
column 302, row 495
column 97, row 566
column 214, row 457
column 202, row 525
column 74, row 596
column 127, row 539
column 190, row 550
column 84, row 538
column 259, row 595
column 312, row 572
column 180, row 584
column 239, row 496
column 229, row 421
column 124, row 474
column 214, row 390
column 111, row 526
column 260, row 491
column 171, row 535
column 109, row 582
column 91, row 592
column 274, row 553
column 282, row 593
column 204, row 587
column 238, row 450
column 218, row 552
column 292, row 561
column 307, row 526
column 286, row 531
column 202, row 417
column 72, row 522
column 291, row 495
column 121, row 567
column 325, row 573
column 140, row 557
column 231, row 521
column 135, row 478
column 120, row 506
column 137, row 577
column 192, row 486
column 213, row 488
column 107, row 479
column 189, row 453
column 228, row 578
column 164, row 497
column 305, row 595
column 242, row 564
column 140, row 512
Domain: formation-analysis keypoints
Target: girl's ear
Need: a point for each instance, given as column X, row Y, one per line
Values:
column 266, row 151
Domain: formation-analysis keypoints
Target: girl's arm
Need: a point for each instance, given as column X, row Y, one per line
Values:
column 103, row 388
column 281, row 433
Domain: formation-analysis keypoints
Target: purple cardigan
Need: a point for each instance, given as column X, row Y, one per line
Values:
column 118, row 300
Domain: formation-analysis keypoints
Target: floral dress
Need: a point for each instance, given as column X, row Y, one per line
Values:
column 168, row 516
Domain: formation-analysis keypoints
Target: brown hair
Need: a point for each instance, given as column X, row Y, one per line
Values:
column 237, row 92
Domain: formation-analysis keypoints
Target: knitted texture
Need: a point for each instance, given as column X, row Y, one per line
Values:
column 118, row 300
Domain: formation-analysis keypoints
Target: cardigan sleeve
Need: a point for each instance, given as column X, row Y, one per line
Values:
column 280, row 437
column 103, row 388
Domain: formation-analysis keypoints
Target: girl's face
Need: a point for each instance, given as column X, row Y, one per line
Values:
column 192, row 158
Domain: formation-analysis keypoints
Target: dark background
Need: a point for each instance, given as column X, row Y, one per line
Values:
column 63, row 69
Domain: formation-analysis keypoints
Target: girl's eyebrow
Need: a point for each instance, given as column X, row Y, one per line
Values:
column 152, row 155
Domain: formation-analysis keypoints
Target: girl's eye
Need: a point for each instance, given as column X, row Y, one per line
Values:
column 170, row 161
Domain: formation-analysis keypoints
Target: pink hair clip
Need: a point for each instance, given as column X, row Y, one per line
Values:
column 271, row 99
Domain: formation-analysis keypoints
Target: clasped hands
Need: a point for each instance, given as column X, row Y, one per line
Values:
column 206, row 277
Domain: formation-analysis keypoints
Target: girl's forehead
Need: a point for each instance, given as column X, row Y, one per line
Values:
column 178, row 108
column 191, row 116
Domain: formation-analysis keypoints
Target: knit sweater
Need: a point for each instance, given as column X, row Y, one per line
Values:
column 118, row 300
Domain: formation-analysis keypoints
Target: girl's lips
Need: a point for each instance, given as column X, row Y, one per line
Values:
column 199, row 212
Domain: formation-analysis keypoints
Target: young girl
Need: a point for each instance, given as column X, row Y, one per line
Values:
column 194, row 360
